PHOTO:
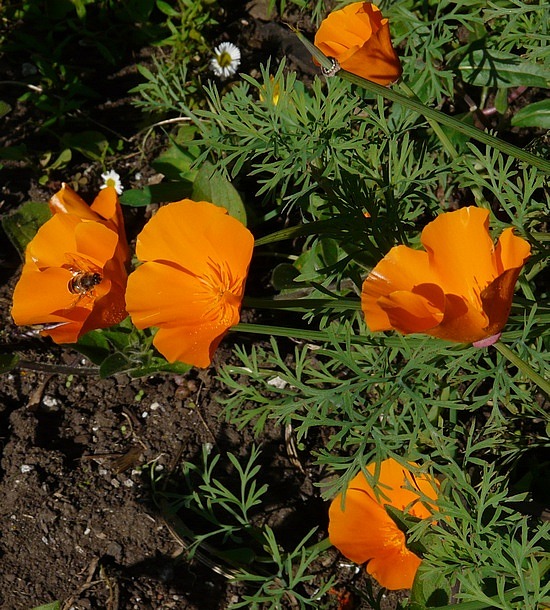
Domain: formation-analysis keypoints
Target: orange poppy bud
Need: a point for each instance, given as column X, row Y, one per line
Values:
column 461, row 289
column 74, row 275
column 191, row 283
column 363, row 531
column 358, row 38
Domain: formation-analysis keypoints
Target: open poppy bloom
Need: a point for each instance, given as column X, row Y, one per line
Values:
column 74, row 275
column 191, row 283
column 364, row 532
column 358, row 38
column 460, row 289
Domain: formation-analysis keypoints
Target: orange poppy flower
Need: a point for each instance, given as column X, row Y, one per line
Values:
column 461, row 289
column 358, row 38
column 191, row 283
column 74, row 275
column 364, row 532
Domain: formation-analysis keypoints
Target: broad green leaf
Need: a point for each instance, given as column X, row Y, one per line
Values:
column 14, row 153
column 8, row 362
column 156, row 193
column 533, row 115
column 92, row 144
column 4, row 108
column 430, row 590
column 94, row 346
column 175, row 163
column 52, row 606
column 283, row 276
column 159, row 365
column 165, row 8
column 211, row 186
column 21, row 226
column 501, row 100
column 60, row 161
column 115, row 363
column 490, row 68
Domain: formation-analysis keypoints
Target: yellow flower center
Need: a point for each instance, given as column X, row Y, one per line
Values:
column 224, row 59
column 223, row 291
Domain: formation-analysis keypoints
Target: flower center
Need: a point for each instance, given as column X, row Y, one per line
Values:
column 224, row 59
column 223, row 292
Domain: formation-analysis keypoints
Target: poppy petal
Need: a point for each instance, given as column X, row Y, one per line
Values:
column 397, row 486
column 376, row 60
column 358, row 37
column 66, row 201
column 511, row 252
column 95, row 242
column 414, row 312
column 194, row 344
column 172, row 235
column 347, row 530
column 362, row 529
column 461, row 251
column 172, row 296
column 40, row 293
column 58, row 230
column 394, row 570
column 400, row 270
column 497, row 300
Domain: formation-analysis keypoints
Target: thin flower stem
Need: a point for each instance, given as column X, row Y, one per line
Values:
column 427, row 112
column 297, row 333
column 60, row 369
column 444, row 119
column 303, row 304
column 447, row 144
column 309, row 228
column 322, row 545
column 512, row 357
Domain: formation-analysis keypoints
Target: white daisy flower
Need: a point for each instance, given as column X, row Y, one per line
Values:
column 226, row 60
column 111, row 178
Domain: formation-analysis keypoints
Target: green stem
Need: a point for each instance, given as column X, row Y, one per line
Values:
column 444, row 138
column 322, row 545
column 429, row 113
column 297, row 333
column 447, row 145
column 302, row 304
column 309, row 228
column 57, row 369
column 512, row 357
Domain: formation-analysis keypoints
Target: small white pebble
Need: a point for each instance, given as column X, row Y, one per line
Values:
column 154, row 406
column 45, row 540
column 49, row 401
column 128, row 483
column 278, row 383
column 102, row 472
column 144, row 414
column 25, row 468
column 115, row 483
column 159, row 467
column 87, row 531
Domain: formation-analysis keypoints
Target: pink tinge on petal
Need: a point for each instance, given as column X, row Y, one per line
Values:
column 488, row 341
